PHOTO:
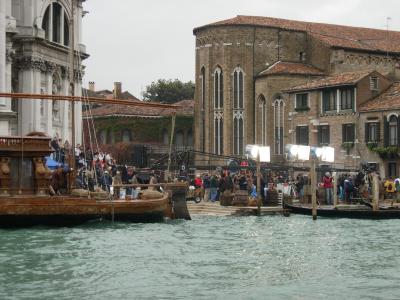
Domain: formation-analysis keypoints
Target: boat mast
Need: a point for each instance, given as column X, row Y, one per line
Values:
column 72, row 87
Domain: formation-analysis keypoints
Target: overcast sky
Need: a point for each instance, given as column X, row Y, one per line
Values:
column 137, row 42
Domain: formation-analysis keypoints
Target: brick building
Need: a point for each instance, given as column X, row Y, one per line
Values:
column 245, row 64
column 120, row 128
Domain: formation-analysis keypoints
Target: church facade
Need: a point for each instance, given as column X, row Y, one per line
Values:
column 246, row 65
column 34, row 58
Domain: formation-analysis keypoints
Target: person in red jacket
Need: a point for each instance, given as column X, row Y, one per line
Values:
column 328, row 185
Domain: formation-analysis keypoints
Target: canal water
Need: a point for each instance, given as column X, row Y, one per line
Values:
column 207, row 258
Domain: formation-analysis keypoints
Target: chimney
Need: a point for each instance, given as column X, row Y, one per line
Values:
column 91, row 86
column 117, row 90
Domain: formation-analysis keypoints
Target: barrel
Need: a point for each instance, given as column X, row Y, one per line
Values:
column 241, row 198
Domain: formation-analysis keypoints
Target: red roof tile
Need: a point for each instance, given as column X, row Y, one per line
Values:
column 292, row 68
column 388, row 100
column 347, row 78
column 333, row 35
column 112, row 110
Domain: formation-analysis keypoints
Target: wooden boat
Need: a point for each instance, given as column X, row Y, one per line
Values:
column 67, row 211
column 346, row 211
column 25, row 198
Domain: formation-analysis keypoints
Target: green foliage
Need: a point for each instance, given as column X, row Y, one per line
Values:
column 169, row 91
column 385, row 152
column 348, row 145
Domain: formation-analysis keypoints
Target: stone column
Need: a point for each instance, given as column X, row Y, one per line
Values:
column 4, row 124
column 49, row 105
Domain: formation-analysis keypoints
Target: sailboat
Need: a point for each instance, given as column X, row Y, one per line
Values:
column 25, row 198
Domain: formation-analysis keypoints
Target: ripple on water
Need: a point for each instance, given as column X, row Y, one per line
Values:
column 206, row 258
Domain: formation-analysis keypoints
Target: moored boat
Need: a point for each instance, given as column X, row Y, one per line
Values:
column 346, row 211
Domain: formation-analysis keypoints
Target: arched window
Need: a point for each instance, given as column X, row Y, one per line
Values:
column 238, row 111
column 238, row 132
column 218, row 133
column 55, row 24
column 263, row 119
column 203, row 107
column 238, row 89
column 103, row 136
column 393, row 128
column 279, row 110
column 179, row 138
column 126, row 136
column 189, row 138
column 165, row 137
column 218, row 89
column 203, row 88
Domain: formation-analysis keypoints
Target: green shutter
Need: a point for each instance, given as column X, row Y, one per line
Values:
column 344, row 133
column 378, row 132
column 385, row 132
column 367, row 133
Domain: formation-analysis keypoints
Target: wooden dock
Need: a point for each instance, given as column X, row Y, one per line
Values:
column 215, row 209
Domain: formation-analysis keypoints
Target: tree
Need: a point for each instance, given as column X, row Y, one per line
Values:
column 169, row 91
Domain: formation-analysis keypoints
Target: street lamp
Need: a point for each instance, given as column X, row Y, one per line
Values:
column 301, row 152
column 260, row 154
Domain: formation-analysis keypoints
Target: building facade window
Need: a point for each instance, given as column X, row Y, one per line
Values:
column 372, row 132
column 301, row 101
column 55, row 24
column 103, row 136
column 323, row 135
column 329, row 100
column 392, row 169
column 263, row 119
column 393, row 131
column 203, row 108
column 302, row 135
column 348, row 133
column 218, row 133
column 374, row 83
column 179, row 140
column 218, row 89
column 165, row 137
column 203, row 88
column 126, row 136
column 279, row 113
column 238, row 112
column 218, row 110
column 347, row 98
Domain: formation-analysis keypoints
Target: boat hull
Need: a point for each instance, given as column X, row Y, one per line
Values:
column 331, row 212
column 68, row 211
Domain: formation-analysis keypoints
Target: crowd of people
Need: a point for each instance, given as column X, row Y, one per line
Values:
column 94, row 170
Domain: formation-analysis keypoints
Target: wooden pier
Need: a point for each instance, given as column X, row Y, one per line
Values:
column 215, row 209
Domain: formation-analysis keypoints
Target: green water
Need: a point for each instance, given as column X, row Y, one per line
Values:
column 207, row 258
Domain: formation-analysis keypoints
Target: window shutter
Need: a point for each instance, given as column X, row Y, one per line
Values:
column 353, row 133
column 367, row 133
column 307, row 140
column 297, row 135
column 319, row 135
column 378, row 132
column 385, row 132
column 328, row 135
column 398, row 131
column 344, row 133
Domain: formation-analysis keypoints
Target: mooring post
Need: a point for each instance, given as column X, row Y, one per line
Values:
column 335, row 196
column 313, row 189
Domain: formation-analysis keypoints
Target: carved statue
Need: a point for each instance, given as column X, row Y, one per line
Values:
column 42, row 176
column 4, row 176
